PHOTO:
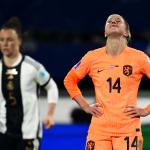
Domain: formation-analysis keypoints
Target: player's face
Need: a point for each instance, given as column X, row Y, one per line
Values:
column 9, row 42
column 115, row 25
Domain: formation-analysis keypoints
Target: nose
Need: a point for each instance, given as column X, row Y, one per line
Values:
column 113, row 22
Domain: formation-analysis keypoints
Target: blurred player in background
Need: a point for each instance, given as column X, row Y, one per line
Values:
column 116, row 71
column 19, row 77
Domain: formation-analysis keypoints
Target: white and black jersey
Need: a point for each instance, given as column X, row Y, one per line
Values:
column 19, row 114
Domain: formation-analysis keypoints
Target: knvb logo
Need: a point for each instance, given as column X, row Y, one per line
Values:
column 100, row 70
column 90, row 145
column 127, row 70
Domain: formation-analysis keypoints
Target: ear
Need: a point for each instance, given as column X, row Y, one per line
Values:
column 20, row 42
column 105, row 35
column 126, row 34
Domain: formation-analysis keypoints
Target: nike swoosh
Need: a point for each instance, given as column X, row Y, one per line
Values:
column 100, row 70
column 111, row 66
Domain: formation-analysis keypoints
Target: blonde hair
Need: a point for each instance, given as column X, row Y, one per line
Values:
column 128, row 30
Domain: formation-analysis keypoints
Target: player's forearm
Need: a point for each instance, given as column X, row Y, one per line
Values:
column 71, row 84
column 81, row 101
column 48, row 121
column 51, row 109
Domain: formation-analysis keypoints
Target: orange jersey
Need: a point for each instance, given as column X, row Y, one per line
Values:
column 116, row 80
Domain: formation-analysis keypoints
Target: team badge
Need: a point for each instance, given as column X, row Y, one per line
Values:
column 11, row 73
column 90, row 145
column 127, row 70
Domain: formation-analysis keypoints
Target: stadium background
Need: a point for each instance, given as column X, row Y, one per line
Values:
column 58, row 33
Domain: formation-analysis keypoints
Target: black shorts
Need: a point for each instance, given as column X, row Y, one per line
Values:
column 11, row 143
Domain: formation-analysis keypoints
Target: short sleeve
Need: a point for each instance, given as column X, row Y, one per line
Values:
column 42, row 76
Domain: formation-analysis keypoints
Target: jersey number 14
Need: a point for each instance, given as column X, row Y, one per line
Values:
column 115, row 85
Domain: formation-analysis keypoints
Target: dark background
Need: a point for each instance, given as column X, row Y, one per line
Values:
column 59, row 32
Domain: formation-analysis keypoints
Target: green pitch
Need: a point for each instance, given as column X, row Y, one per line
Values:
column 146, row 136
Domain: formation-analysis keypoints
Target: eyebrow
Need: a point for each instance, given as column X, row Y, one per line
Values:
column 118, row 18
column 115, row 18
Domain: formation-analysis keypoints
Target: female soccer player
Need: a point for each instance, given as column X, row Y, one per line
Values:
column 116, row 71
column 19, row 77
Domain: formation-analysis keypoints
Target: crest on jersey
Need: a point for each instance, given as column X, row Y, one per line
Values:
column 127, row 70
column 90, row 145
column 11, row 73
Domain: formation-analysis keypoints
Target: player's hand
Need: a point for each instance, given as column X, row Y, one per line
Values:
column 48, row 122
column 95, row 109
column 135, row 112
